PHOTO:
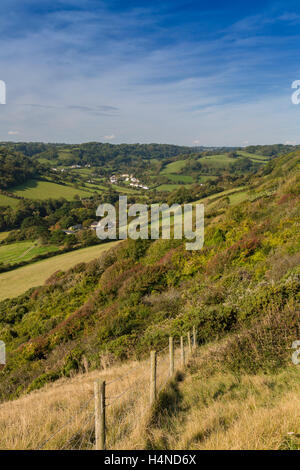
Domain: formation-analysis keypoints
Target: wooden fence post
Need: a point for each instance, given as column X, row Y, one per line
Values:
column 99, row 389
column 182, row 352
column 85, row 364
column 153, row 367
column 189, row 342
column 194, row 337
column 171, row 352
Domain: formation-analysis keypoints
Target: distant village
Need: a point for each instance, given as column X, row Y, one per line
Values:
column 76, row 228
column 113, row 179
column 135, row 182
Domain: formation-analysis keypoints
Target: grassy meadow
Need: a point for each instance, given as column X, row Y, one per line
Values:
column 23, row 251
column 3, row 235
column 173, row 167
column 35, row 189
column 16, row 282
column 217, row 161
column 8, row 201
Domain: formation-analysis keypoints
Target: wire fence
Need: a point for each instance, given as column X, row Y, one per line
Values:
column 87, row 428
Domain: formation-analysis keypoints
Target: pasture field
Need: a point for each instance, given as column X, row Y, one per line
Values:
column 253, row 156
column 173, row 167
column 8, row 201
column 3, row 235
column 46, row 161
column 64, row 154
column 83, row 171
column 207, row 200
column 23, row 251
column 121, row 189
column 205, row 178
column 168, row 187
column 96, row 187
column 217, row 161
column 180, row 178
column 36, row 189
column 18, row 281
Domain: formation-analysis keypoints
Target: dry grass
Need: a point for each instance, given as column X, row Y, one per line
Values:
column 203, row 408
column 29, row 421
column 225, row 411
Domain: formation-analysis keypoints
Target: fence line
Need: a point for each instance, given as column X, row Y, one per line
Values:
column 103, row 399
column 100, row 393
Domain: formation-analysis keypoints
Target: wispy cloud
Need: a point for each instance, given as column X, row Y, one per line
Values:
column 154, row 73
column 109, row 137
column 13, row 132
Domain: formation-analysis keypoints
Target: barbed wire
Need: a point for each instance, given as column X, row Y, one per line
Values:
column 124, row 375
column 116, row 397
column 83, row 407
column 162, row 350
column 89, row 418
column 82, row 436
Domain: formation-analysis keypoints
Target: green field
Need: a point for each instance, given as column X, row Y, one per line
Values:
column 168, row 187
column 173, row 167
column 204, row 178
column 179, row 178
column 35, row 189
column 46, row 161
column 83, row 171
column 253, row 156
column 209, row 199
column 217, row 161
column 122, row 189
column 65, row 154
column 3, row 235
column 16, row 282
column 23, row 251
column 96, row 186
column 8, row 201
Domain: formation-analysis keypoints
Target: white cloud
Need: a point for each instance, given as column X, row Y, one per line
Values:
column 147, row 91
column 109, row 137
column 13, row 132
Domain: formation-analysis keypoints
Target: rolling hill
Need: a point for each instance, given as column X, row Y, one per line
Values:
column 242, row 293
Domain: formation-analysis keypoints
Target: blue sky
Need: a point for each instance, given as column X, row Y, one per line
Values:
column 192, row 73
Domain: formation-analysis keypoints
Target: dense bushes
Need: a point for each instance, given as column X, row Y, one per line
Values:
column 15, row 168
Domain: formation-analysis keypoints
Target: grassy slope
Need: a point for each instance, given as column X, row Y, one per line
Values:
column 22, row 251
column 208, row 407
column 8, row 201
column 180, row 178
column 34, row 189
column 173, row 167
column 3, row 235
column 169, row 187
column 204, row 407
column 217, row 161
column 16, row 282
column 246, row 279
column 253, row 157
column 228, row 192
